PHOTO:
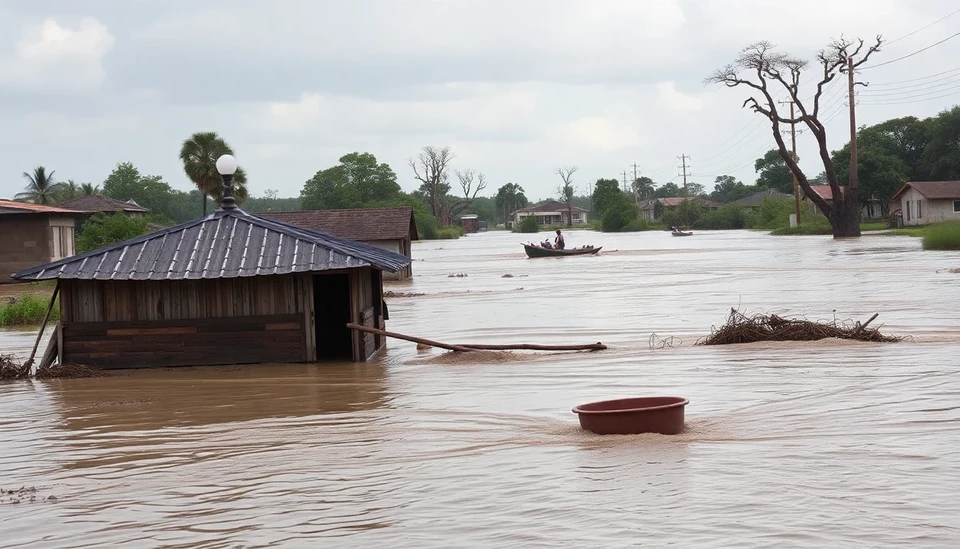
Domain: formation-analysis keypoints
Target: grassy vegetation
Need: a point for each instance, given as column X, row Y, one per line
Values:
column 804, row 229
column 27, row 309
column 942, row 236
column 449, row 233
column 868, row 226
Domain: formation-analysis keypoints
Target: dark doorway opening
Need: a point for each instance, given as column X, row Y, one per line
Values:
column 331, row 305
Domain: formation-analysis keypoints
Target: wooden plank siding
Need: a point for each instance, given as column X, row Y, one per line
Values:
column 182, row 342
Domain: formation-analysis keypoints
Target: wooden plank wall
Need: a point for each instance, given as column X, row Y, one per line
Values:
column 250, row 339
column 121, row 300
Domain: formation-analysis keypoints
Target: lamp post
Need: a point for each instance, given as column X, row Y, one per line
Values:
column 227, row 166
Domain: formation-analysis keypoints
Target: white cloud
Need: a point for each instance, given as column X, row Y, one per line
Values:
column 597, row 132
column 670, row 97
column 51, row 58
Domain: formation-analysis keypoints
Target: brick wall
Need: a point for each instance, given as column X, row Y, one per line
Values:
column 25, row 241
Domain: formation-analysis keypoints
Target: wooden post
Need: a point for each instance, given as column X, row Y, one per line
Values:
column 796, row 184
column 853, row 130
column 43, row 325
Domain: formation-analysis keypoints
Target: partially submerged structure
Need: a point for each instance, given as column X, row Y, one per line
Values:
column 551, row 212
column 392, row 228
column 230, row 288
column 34, row 233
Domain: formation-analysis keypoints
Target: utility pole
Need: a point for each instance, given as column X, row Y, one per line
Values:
column 796, row 184
column 624, row 181
column 636, row 197
column 683, row 159
column 853, row 131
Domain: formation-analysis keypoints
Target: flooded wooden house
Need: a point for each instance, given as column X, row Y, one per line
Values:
column 230, row 288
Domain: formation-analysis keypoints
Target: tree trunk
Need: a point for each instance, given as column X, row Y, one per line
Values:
column 845, row 218
column 569, row 214
column 203, row 199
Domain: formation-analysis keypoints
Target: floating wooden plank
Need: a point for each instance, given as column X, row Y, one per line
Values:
column 467, row 347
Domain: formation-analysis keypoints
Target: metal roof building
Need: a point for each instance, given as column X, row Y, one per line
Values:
column 229, row 288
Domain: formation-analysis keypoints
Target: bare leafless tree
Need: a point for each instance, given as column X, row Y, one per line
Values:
column 765, row 68
column 430, row 168
column 471, row 183
column 565, row 189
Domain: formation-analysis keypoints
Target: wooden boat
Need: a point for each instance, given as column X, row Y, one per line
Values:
column 681, row 233
column 537, row 251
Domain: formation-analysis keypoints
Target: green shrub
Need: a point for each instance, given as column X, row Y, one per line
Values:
column 810, row 228
column 729, row 216
column 103, row 230
column 28, row 309
column 637, row 225
column 618, row 216
column 449, row 233
column 942, row 236
column 774, row 213
column 528, row 225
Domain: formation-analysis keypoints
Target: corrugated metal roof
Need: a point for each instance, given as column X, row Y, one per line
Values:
column 225, row 244
column 103, row 203
column 355, row 224
column 27, row 207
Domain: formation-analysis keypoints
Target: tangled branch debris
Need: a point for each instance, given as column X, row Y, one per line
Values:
column 11, row 369
column 741, row 328
column 69, row 371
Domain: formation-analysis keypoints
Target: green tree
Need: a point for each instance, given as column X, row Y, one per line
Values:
column 68, row 190
column 606, row 194
column 644, row 187
column 880, row 173
column 941, row 156
column 774, row 172
column 103, row 230
column 199, row 154
column 356, row 181
column 428, row 226
column 41, row 187
column 695, row 189
column 528, row 225
column 728, row 189
column 667, row 190
column 89, row 189
column 619, row 213
column 126, row 182
column 510, row 198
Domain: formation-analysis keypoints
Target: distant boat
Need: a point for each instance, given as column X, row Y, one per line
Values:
column 677, row 232
column 539, row 251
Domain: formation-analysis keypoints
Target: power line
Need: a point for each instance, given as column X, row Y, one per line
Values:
column 885, row 84
column 910, row 54
column 911, row 92
column 923, row 28
column 906, row 101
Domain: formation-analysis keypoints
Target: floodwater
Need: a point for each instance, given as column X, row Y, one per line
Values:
column 827, row 444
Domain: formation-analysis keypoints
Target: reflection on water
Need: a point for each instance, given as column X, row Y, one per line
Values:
column 787, row 444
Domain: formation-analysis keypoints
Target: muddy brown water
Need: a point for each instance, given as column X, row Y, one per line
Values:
column 826, row 444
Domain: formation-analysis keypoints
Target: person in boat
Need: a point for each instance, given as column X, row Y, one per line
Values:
column 546, row 244
column 558, row 241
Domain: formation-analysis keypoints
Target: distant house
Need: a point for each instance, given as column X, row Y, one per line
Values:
column 873, row 209
column 98, row 203
column 391, row 229
column 551, row 212
column 230, row 288
column 652, row 210
column 755, row 200
column 924, row 202
column 470, row 223
column 32, row 234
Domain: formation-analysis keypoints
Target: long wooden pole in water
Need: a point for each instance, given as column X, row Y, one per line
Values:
column 43, row 325
column 467, row 347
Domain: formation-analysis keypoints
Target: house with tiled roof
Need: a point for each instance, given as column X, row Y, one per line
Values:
column 550, row 213
column 652, row 210
column 926, row 202
column 393, row 229
column 97, row 203
column 34, row 233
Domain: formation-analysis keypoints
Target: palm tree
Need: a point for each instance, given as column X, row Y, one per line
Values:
column 89, row 189
column 68, row 190
column 41, row 189
column 199, row 155
column 240, row 192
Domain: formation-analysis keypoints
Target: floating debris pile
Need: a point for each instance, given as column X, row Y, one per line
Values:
column 741, row 328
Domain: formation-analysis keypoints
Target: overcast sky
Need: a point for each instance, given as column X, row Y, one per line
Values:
column 516, row 88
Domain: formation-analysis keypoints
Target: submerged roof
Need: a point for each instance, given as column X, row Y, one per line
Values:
column 104, row 203
column 933, row 190
column 356, row 224
column 13, row 206
column 225, row 244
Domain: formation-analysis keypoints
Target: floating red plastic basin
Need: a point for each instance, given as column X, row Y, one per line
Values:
column 630, row 416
